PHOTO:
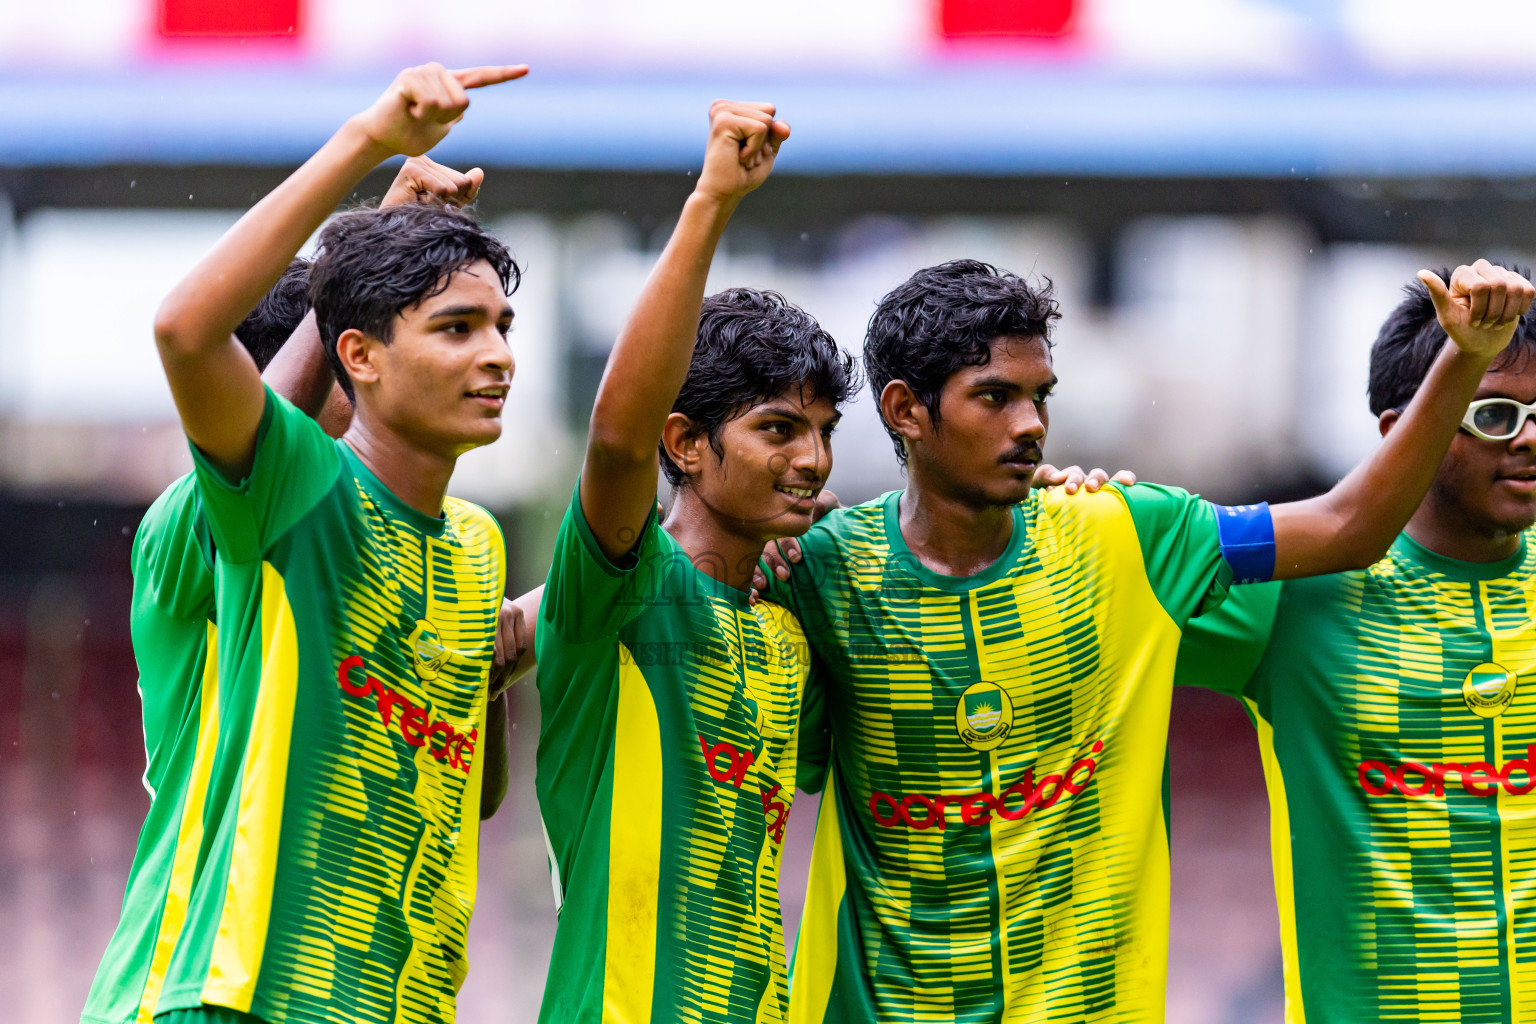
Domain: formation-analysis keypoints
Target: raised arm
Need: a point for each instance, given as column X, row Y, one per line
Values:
column 650, row 359
column 217, row 390
column 300, row 371
column 1354, row 524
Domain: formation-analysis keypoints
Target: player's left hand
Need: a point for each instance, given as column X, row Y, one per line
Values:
column 424, row 180
column 1480, row 307
column 1074, row 477
column 511, row 642
column 779, row 554
column 744, row 140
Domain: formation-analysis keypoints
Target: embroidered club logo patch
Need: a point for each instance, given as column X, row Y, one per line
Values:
column 1488, row 689
column 984, row 716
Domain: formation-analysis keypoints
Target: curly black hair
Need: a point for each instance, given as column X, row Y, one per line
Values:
column 754, row 346
column 944, row 318
column 374, row 263
column 1411, row 337
column 277, row 315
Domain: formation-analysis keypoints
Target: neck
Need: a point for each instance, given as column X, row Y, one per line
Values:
column 714, row 546
column 1447, row 532
column 415, row 475
column 949, row 534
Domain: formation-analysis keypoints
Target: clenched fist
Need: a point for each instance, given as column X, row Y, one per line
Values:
column 419, row 107
column 744, row 139
column 424, row 180
column 1480, row 307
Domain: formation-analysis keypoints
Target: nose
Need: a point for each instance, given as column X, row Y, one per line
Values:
column 1031, row 421
column 496, row 354
column 813, row 457
column 1525, row 440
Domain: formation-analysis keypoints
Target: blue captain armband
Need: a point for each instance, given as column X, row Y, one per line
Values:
column 1247, row 537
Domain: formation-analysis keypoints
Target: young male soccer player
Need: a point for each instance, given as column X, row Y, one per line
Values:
column 1397, row 719
column 992, row 846
column 174, row 626
column 669, row 704
column 336, row 759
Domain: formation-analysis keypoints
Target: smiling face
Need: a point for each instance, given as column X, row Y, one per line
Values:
column 774, row 459
column 441, row 380
column 990, row 432
column 1489, row 487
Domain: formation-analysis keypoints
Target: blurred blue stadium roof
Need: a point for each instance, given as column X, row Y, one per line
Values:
column 971, row 120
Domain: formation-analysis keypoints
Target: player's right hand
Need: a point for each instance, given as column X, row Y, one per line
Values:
column 1480, row 307
column 422, row 103
column 744, row 139
column 424, row 180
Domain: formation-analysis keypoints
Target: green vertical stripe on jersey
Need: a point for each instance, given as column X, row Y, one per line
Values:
column 666, row 768
column 1396, row 709
column 998, row 751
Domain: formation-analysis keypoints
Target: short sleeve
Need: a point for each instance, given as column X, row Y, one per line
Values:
column 586, row 596
column 295, row 466
column 1222, row 649
column 815, row 749
column 1180, row 548
column 173, row 554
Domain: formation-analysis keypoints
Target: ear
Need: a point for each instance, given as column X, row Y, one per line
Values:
column 1387, row 420
column 357, row 353
column 903, row 412
column 683, row 444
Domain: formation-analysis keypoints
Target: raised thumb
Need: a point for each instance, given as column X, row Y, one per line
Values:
column 1439, row 292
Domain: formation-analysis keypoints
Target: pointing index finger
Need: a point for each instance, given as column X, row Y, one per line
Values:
column 490, row 74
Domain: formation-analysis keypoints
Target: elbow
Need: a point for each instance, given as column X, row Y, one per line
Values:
column 172, row 334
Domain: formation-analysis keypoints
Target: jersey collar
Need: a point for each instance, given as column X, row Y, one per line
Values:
column 1410, row 550
column 1017, row 543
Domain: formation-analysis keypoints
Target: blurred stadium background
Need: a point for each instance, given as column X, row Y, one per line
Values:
column 1228, row 195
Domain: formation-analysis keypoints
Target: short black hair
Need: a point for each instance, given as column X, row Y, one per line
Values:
column 374, row 263
column 754, row 346
column 1411, row 338
column 277, row 315
column 946, row 317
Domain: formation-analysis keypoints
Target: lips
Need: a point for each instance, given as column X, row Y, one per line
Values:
column 799, row 494
column 492, row 397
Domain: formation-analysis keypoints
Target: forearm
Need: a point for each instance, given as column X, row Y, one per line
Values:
column 209, row 303
column 1354, row 524
column 656, row 345
column 300, row 371
column 498, row 770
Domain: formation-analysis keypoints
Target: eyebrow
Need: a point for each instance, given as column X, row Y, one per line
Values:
column 506, row 311
column 788, row 412
column 1003, row 382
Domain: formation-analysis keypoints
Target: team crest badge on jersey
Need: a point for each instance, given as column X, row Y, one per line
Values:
column 984, row 716
column 1488, row 689
column 428, row 654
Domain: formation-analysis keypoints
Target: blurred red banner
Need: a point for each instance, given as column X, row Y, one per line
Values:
column 1006, row 18
column 184, row 18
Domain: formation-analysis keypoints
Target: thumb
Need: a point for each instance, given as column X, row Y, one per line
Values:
column 1439, row 293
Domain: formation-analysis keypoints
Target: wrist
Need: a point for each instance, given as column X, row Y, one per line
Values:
column 718, row 204
column 354, row 133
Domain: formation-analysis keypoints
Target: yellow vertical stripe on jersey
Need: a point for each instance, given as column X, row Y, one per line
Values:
column 1515, row 649
column 816, row 944
column 189, row 836
column 237, row 948
column 1280, row 858
column 634, row 851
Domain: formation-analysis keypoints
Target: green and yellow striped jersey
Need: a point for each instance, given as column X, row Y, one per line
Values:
column 666, row 767
column 323, row 866
column 171, row 619
column 1396, row 715
column 992, row 842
